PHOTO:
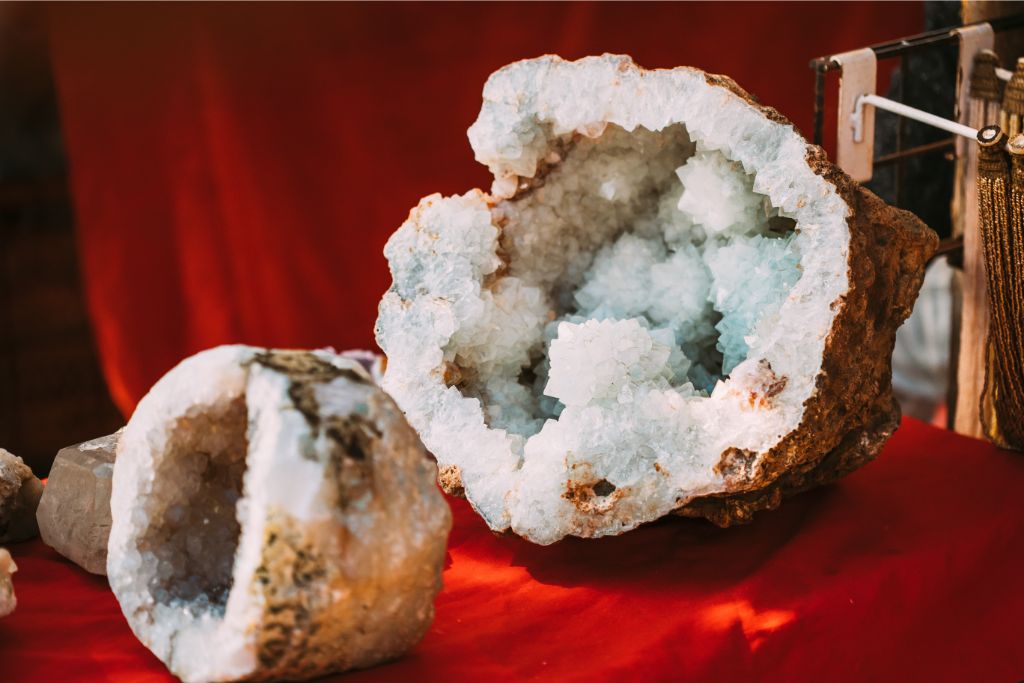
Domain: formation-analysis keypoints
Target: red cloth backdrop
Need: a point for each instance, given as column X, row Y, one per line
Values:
column 236, row 168
column 907, row 570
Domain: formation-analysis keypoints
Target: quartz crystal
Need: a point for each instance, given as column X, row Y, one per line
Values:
column 668, row 302
column 19, row 496
column 274, row 518
column 7, row 567
column 74, row 512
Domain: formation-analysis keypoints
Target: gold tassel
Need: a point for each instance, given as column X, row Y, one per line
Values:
column 970, row 294
column 986, row 90
column 1010, row 120
column 1001, row 201
column 1012, row 349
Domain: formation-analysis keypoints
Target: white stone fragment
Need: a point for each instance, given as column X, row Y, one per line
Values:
column 274, row 518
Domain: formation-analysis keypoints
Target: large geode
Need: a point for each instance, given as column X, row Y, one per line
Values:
column 274, row 518
column 670, row 302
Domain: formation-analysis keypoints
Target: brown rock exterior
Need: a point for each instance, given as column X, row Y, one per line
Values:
column 852, row 412
column 19, row 496
column 74, row 513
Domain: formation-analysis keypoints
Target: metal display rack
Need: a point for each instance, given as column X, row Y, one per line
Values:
column 903, row 48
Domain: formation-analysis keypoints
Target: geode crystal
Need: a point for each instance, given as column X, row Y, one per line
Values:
column 274, row 518
column 669, row 302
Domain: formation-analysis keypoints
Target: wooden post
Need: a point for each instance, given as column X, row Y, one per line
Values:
column 973, row 295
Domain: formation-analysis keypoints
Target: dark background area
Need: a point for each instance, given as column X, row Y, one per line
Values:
column 52, row 392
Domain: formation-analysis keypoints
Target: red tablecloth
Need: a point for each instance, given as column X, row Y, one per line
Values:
column 908, row 570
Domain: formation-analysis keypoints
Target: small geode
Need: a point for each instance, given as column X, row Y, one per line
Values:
column 274, row 518
column 669, row 302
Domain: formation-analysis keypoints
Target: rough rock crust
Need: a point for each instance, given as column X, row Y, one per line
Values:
column 862, row 264
column 19, row 495
column 852, row 412
column 330, row 558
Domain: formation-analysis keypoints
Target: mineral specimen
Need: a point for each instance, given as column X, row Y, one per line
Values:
column 7, row 567
column 74, row 513
column 274, row 518
column 669, row 302
column 19, row 496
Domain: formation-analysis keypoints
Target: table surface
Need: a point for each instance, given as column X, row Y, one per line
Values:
column 909, row 569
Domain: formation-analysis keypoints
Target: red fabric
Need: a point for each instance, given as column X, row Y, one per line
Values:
column 236, row 169
column 908, row 570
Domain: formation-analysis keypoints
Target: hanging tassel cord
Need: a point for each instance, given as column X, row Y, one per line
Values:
column 1001, row 201
column 992, row 192
column 986, row 89
column 1013, row 265
column 1011, row 120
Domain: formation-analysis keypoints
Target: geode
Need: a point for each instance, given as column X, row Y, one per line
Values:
column 274, row 517
column 19, row 495
column 669, row 302
column 7, row 599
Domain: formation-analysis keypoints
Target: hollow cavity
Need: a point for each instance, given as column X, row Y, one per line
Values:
column 188, row 547
column 634, row 261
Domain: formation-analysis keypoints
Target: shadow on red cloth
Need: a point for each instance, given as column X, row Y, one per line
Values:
column 686, row 543
column 906, row 570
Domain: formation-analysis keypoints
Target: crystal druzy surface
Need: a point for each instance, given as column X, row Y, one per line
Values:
column 641, row 316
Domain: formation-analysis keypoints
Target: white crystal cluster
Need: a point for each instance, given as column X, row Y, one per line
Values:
column 649, row 285
column 273, row 518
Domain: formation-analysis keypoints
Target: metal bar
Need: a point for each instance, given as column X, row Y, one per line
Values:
column 901, row 109
column 915, row 151
column 895, row 48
